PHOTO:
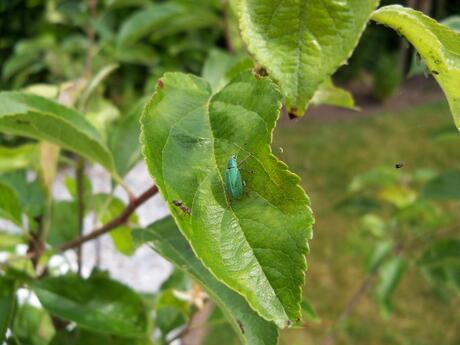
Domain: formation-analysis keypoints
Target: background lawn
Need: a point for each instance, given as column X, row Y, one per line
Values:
column 327, row 155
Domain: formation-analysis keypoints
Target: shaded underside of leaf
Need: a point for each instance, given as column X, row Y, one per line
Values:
column 171, row 244
column 40, row 118
column 438, row 45
column 302, row 43
column 256, row 245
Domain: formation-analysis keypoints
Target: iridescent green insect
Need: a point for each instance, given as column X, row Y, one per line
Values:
column 233, row 181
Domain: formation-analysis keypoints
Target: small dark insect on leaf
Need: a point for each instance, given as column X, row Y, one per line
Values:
column 182, row 206
column 399, row 165
column 293, row 113
column 259, row 72
column 160, row 84
column 240, row 324
column 435, row 72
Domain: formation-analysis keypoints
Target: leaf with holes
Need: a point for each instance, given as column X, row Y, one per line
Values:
column 438, row 45
column 255, row 245
column 302, row 43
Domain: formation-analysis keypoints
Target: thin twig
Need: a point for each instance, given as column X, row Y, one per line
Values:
column 90, row 34
column 228, row 36
column 121, row 219
column 114, row 223
column 355, row 298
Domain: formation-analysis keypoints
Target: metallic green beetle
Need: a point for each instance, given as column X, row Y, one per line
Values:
column 233, row 181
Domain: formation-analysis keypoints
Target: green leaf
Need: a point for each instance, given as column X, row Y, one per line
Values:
column 308, row 311
column 97, row 303
column 171, row 312
column 64, row 222
column 256, row 245
column 17, row 158
column 80, row 336
column 40, row 118
column 33, row 326
column 329, row 94
column 438, row 45
column 417, row 65
column 302, row 43
column 163, row 19
column 381, row 251
column 171, row 244
column 441, row 262
column 390, row 276
column 7, row 301
column 443, row 187
column 124, row 139
column 372, row 224
column 220, row 68
column 9, row 204
column 31, row 194
column 9, row 241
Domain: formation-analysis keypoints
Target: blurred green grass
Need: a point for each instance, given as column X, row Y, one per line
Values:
column 327, row 155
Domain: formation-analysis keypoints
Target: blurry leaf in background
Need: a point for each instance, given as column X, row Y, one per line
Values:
column 164, row 19
column 372, row 224
column 357, row 205
column 49, row 156
column 387, row 77
column 31, row 194
column 167, row 240
column 39, row 118
column 171, row 312
column 107, row 207
column 308, row 311
column 220, row 331
column 9, row 204
column 443, row 187
column 438, row 45
column 97, row 303
column 8, row 242
column 64, row 225
column 221, row 67
column 44, row 90
column 124, row 139
column 329, row 94
column 32, row 326
column 7, row 301
column 381, row 251
column 101, row 113
column 19, row 157
column 390, row 275
column 382, row 176
column 138, row 53
column 94, row 83
column 188, row 135
column 422, row 215
column 178, row 280
column 71, row 186
column 28, row 53
column 398, row 196
column 441, row 261
column 301, row 44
